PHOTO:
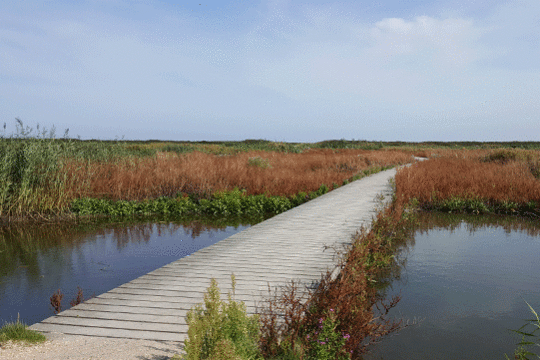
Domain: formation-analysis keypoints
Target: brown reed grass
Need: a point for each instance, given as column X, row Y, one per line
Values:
column 167, row 174
column 469, row 176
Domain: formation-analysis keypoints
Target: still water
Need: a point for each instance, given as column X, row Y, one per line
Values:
column 36, row 261
column 463, row 286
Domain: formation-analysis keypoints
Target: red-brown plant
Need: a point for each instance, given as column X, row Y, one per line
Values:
column 56, row 301
column 443, row 178
column 201, row 173
column 292, row 314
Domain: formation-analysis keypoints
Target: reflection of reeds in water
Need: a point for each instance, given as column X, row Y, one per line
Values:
column 434, row 220
column 20, row 244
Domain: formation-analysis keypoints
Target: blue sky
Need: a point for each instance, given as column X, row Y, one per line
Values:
column 294, row 70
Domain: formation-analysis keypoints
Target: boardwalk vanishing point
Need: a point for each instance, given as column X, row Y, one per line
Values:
column 285, row 247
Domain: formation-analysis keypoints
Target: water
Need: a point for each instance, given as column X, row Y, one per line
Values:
column 36, row 261
column 463, row 286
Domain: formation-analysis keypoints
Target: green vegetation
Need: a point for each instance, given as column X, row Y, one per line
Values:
column 232, row 203
column 259, row 162
column 521, row 352
column 221, row 331
column 26, row 167
column 338, row 320
column 477, row 205
column 18, row 331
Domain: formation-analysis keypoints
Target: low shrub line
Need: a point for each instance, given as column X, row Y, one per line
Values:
column 498, row 183
column 223, row 203
column 476, row 205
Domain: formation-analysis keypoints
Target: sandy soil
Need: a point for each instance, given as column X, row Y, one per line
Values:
column 63, row 347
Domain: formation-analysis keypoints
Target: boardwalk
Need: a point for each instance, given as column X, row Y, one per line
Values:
column 287, row 246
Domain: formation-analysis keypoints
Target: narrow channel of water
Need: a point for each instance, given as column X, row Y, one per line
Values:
column 36, row 261
column 463, row 286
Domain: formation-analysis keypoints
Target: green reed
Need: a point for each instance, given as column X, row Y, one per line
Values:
column 32, row 180
column 529, row 338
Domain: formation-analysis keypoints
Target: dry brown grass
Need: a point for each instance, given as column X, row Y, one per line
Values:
column 468, row 175
column 167, row 173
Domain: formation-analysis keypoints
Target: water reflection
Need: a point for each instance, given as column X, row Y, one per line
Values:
column 465, row 277
column 37, row 260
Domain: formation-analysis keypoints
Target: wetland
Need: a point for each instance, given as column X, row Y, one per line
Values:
column 37, row 260
column 463, row 286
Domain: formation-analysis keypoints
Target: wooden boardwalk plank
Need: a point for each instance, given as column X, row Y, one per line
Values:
column 289, row 246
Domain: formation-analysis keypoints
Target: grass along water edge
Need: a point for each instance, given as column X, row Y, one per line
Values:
column 18, row 332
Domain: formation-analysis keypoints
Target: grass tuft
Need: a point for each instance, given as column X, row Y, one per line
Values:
column 18, row 331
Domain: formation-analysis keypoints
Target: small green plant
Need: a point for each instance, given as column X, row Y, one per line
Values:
column 521, row 353
column 326, row 342
column 17, row 331
column 221, row 330
column 259, row 162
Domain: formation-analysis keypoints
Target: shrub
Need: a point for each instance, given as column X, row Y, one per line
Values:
column 326, row 342
column 259, row 162
column 221, row 331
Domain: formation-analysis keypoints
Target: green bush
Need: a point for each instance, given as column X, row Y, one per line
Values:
column 221, row 330
column 326, row 343
column 230, row 203
column 259, row 162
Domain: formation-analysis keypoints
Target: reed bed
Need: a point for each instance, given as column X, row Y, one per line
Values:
column 256, row 172
column 41, row 175
column 499, row 179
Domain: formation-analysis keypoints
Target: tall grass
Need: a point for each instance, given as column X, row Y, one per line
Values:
column 530, row 337
column 469, row 184
column 42, row 175
column 272, row 173
column 30, row 176
column 17, row 331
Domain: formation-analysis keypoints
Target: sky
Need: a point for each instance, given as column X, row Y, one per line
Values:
column 279, row 70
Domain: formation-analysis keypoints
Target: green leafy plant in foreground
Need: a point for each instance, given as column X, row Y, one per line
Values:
column 521, row 353
column 326, row 343
column 221, row 330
